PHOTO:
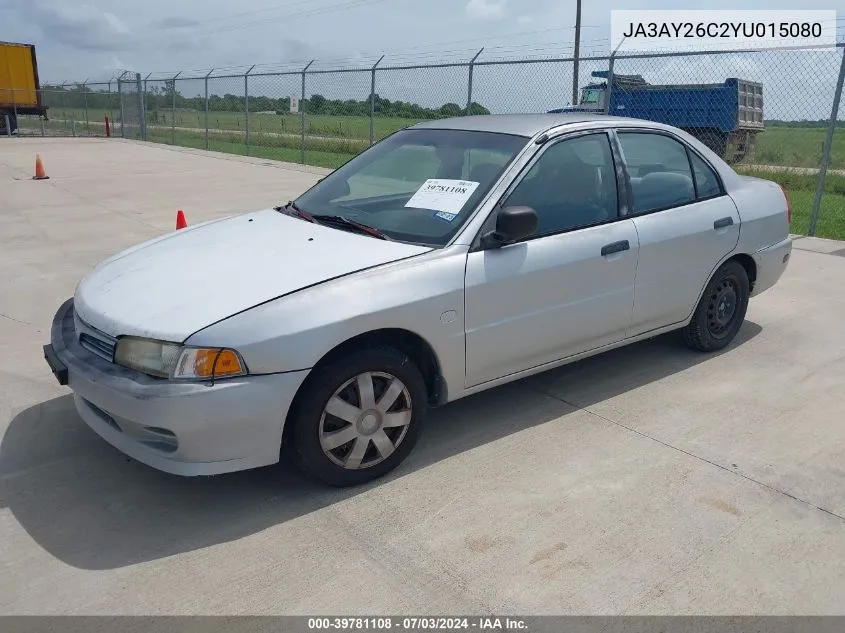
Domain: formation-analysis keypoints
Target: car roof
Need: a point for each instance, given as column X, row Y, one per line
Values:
column 527, row 125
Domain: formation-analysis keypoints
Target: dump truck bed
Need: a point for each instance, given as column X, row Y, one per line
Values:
column 734, row 105
column 19, row 85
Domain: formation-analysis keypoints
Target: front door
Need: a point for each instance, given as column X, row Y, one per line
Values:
column 569, row 287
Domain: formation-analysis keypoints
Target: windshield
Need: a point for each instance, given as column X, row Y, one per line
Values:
column 589, row 95
column 415, row 186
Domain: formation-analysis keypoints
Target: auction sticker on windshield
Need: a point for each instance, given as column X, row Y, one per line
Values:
column 440, row 194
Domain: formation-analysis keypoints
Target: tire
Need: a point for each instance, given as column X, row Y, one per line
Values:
column 361, row 458
column 721, row 310
column 13, row 124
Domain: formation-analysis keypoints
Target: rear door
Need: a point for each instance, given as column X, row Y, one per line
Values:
column 685, row 221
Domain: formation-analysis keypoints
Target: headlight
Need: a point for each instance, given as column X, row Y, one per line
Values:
column 170, row 360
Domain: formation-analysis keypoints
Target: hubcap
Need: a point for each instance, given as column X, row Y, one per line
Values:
column 722, row 308
column 365, row 420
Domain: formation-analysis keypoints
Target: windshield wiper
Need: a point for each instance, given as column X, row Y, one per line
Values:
column 291, row 209
column 338, row 221
column 344, row 222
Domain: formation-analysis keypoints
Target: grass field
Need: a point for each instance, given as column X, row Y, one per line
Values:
column 801, row 189
column 793, row 147
column 798, row 147
column 343, row 127
column 332, row 140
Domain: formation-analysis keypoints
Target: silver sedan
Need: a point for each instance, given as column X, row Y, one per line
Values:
column 449, row 258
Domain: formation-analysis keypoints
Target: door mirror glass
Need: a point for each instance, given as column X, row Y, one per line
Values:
column 512, row 224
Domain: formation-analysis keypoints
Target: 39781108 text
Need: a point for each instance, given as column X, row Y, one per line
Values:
column 414, row 623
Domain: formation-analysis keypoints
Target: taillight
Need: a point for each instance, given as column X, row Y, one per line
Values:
column 788, row 206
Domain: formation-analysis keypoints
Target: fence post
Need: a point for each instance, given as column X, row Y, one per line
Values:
column 173, row 110
column 14, row 113
column 828, row 142
column 609, row 92
column 576, row 53
column 85, row 103
column 43, row 114
column 206, row 107
column 120, row 103
column 64, row 108
column 373, row 97
column 142, row 105
column 143, row 109
column 72, row 120
column 469, row 82
column 302, row 115
column 8, row 124
column 246, row 107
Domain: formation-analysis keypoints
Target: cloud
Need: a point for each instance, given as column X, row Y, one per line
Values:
column 525, row 19
column 486, row 9
column 174, row 22
column 82, row 26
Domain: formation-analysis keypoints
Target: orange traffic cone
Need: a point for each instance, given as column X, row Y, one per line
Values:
column 40, row 174
column 180, row 220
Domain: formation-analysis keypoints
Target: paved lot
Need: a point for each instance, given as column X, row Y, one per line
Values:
column 648, row 480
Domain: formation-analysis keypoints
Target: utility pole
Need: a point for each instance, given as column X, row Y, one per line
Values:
column 577, row 52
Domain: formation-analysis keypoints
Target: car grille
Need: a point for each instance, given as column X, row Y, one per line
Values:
column 103, row 349
column 95, row 341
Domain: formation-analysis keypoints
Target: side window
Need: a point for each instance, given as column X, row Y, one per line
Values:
column 706, row 182
column 571, row 186
column 660, row 171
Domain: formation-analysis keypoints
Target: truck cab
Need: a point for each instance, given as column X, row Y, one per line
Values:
column 593, row 97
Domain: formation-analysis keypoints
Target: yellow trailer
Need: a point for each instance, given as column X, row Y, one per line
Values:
column 20, row 91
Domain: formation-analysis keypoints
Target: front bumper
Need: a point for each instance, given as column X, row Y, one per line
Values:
column 771, row 263
column 183, row 428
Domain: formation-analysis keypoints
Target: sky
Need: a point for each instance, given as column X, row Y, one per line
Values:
column 80, row 40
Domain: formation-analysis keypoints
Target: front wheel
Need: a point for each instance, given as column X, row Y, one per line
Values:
column 721, row 310
column 13, row 124
column 359, row 417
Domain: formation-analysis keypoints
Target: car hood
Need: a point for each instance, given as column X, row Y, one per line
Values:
column 172, row 286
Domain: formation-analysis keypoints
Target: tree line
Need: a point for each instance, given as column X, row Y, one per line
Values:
column 163, row 97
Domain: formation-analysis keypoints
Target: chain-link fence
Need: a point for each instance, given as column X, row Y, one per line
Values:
column 774, row 113
column 84, row 109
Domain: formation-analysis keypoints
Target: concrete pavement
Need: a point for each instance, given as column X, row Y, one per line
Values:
column 650, row 480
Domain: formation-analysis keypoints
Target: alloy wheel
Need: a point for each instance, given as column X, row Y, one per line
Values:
column 365, row 420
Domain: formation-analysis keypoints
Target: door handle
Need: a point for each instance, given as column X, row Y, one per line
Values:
column 616, row 247
column 723, row 222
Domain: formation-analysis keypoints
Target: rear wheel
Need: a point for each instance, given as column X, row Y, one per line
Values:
column 359, row 417
column 13, row 123
column 721, row 310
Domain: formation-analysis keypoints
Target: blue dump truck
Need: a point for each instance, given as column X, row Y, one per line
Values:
column 727, row 117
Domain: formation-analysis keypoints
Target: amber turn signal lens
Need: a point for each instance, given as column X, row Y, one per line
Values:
column 212, row 362
column 208, row 363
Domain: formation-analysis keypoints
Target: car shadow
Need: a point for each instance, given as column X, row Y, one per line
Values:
column 93, row 508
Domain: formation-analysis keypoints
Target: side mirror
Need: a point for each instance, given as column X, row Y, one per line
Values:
column 512, row 224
